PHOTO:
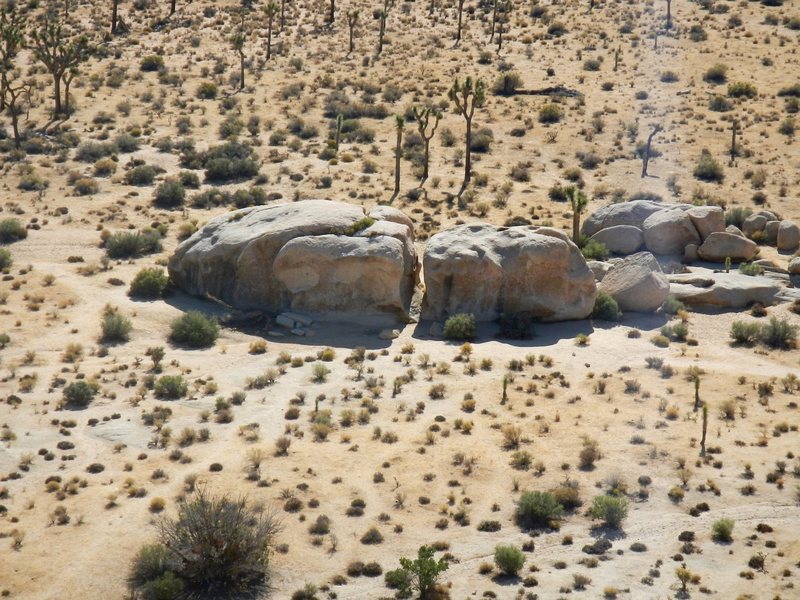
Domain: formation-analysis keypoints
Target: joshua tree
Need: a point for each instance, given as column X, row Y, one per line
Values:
column 494, row 20
column 270, row 10
column 467, row 97
column 578, row 202
column 60, row 53
column 460, row 13
column 114, row 16
column 12, row 93
column 352, row 20
column 172, row 7
column 332, row 13
column 423, row 118
column 705, row 430
column 617, row 53
column 669, row 15
column 237, row 43
column 398, row 150
column 646, row 155
column 734, row 131
column 12, row 40
column 382, row 16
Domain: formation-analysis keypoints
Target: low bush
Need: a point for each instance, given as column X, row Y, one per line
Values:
column 170, row 387
column 141, row 175
column 116, row 327
column 78, row 394
column 612, row 510
column 708, row 169
column 127, row 244
column 606, row 308
column 149, row 284
column 169, row 194
column 722, row 530
column 460, row 327
column 152, row 63
column 5, row 259
column 509, row 559
column 537, row 509
column 594, row 250
column 550, row 113
column 11, row 230
column 194, row 330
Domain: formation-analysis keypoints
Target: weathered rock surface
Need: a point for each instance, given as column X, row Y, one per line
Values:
column 669, row 231
column 794, row 266
column 722, row 244
column 636, row 283
column 707, row 219
column 620, row 239
column 723, row 290
column 488, row 271
column 599, row 269
column 754, row 223
column 623, row 213
column 788, row 236
column 313, row 255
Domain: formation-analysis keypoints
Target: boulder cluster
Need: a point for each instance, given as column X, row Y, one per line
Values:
column 329, row 258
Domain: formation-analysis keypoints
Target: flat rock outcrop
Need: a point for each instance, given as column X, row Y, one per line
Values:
column 636, row 283
column 312, row 255
column 488, row 271
column 723, row 290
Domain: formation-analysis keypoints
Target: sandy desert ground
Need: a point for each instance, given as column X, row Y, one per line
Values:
column 425, row 469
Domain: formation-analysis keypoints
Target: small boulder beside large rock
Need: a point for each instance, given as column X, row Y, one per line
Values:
column 668, row 232
column 620, row 239
column 707, row 220
column 637, row 283
column 788, row 238
column 721, row 245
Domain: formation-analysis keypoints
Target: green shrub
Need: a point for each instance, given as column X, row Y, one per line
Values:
column 128, row 244
column 166, row 587
column 78, row 394
column 170, row 194
column 594, row 250
column 672, row 305
column 5, row 259
column 419, row 575
column 218, row 547
column 509, row 559
column 612, row 510
column 606, row 308
column 742, row 90
column 194, row 330
column 719, row 103
column 11, row 230
column 116, row 327
column 141, row 175
column 537, row 509
column 751, row 269
column 550, row 113
column 481, row 141
column 151, row 562
column 91, row 152
column 460, row 327
column 745, row 333
column 507, row 84
column 722, row 530
column 787, row 126
column 86, row 186
column 737, row 215
column 126, row 143
column 792, row 91
column 708, row 169
column 207, row 90
column 778, row 333
column 170, row 387
column 717, row 74
column 149, row 284
column 152, row 63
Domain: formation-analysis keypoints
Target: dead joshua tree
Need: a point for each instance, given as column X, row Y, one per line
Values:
column 352, row 20
column 646, row 156
column 423, row 118
column 398, row 150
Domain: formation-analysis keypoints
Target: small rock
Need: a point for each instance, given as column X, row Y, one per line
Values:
column 285, row 321
column 299, row 332
column 389, row 334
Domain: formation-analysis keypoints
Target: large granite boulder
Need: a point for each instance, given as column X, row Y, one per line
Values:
column 620, row 239
column 707, row 219
column 669, row 231
column 788, row 236
column 312, row 255
column 722, row 244
column 623, row 213
column 723, row 290
column 794, row 266
column 754, row 224
column 488, row 271
column 636, row 283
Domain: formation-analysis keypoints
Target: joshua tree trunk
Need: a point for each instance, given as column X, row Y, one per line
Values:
column 468, row 156
column 734, row 130
column 269, row 38
column 332, row 13
column 241, row 69
column 397, row 153
column 705, row 429
column 172, row 7
column 381, row 32
column 646, row 157
column 283, row 14
column 696, row 393
column 669, row 15
column 460, row 13
column 494, row 20
column 114, row 7
column 67, row 81
column 57, row 93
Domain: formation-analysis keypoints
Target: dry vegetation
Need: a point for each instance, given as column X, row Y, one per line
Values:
column 113, row 413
